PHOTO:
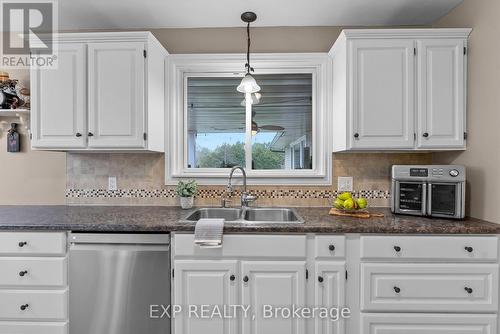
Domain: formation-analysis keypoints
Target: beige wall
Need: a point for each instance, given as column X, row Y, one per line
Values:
column 30, row 177
column 482, row 157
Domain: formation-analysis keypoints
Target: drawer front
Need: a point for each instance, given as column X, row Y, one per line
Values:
column 11, row 327
column 330, row 246
column 32, row 243
column 429, row 287
column 434, row 248
column 33, row 271
column 275, row 246
column 428, row 324
column 49, row 305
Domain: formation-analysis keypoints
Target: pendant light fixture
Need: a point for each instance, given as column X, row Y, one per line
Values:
column 248, row 84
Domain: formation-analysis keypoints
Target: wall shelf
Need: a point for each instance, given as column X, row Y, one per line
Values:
column 14, row 112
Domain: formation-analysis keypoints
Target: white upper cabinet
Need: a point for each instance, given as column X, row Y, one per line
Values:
column 116, row 70
column 441, row 93
column 59, row 101
column 108, row 93
column 399, row 89
column 382, row 86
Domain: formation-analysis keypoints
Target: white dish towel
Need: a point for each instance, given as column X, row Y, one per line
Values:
column 208, row 232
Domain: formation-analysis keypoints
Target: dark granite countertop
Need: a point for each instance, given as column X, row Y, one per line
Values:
column 166, row 219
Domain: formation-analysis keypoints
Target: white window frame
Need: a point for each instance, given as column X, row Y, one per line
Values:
column 180, row 67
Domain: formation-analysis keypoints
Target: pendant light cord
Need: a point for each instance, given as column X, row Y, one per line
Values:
column 247, row 65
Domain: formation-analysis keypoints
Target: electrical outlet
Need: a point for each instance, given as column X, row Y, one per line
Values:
column 344, row 183
column 112, row 185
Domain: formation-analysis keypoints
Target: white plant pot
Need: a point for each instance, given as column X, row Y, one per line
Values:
column 187, row 202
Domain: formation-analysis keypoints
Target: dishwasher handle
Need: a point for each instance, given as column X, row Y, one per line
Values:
column 118, row 238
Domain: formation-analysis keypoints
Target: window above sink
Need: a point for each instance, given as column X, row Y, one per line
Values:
column 290, row 141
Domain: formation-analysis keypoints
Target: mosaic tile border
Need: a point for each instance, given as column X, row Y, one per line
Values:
column 217, row 193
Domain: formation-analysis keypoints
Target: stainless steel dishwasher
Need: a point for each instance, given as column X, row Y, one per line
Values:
column 114, row 278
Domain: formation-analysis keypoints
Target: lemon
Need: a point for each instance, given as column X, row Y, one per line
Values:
column 345, row 196
column 349, row 204
column 338, row 203
column 362, row 202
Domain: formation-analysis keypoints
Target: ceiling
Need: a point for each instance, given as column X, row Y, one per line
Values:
column 133, row 14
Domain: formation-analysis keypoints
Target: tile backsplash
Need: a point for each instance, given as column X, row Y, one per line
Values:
column 140, row 179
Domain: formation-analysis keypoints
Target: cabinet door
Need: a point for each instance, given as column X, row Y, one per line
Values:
column 330, row 293
column 59, row 101
column 116, row 95
column 441, row 93
column 428, row 323
column 209, row 283
column 382, row 87
column 276, row 284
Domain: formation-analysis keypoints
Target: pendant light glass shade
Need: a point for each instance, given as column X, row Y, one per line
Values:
column 255, row 99
column 248, row 85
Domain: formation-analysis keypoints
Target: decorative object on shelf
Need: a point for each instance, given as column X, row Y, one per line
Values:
column 10, row 94
column 4, row 76
column 13, row 139
column 186, row 192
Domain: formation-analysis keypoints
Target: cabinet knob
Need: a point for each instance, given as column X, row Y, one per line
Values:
column 232, row 277
column 469, row 290
column 320, row 279
column 78, row 134
column 24, row 307
column 22, row 243
column 245, row 279
column 397, row 289
column 90, row 134
column 397, row 249
column 22, row 273
column 469, row 249
column 331, row 248
column 356, row 135
column 425, row 134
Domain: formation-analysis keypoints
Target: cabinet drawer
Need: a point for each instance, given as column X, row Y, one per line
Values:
column 329, row 246
column 428, row 324
column 33, row 271
column 50, row 304
column 434, row 248
column 11, row 327
column 275, row 246
column 32, row 243
column 429, row 287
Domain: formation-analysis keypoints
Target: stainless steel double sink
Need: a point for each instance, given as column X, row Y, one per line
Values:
column 247, row 215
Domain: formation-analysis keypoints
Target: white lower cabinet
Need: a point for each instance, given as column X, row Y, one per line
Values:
column 268, row 285
column 330, row 293
column 33, row 283
column 207, row 282
column 428, row 324
column 11, row 327
column 436, row 287
column 391, row 284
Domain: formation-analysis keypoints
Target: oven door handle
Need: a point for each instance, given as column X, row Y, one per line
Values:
column 429, row 198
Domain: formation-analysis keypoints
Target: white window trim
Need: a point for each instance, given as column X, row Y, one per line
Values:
column 180, row 65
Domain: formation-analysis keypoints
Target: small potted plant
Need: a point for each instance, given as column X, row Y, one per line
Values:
column 186, row 190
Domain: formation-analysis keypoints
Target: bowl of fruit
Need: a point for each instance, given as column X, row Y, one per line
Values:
column 346, row 202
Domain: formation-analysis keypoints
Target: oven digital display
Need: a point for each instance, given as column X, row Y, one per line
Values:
column 422, row 172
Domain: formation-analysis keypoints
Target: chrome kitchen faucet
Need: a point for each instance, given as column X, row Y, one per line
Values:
column 245, row 197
